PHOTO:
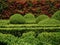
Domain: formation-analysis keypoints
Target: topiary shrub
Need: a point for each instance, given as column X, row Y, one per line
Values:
column 41, row 17
column 29, row 18
column 17, row 19
column 56, row 15
column 49, row 22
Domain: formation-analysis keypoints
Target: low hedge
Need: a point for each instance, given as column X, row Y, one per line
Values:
column 30, row 38
column 4, row 22
column 49, row 38
column 56, row 15
column 47, row 22
column 29, row 18
column 17, row 19
column 8, row 39
column 19, row 31
column 41, row 17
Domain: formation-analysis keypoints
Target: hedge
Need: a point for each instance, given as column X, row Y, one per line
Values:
column 49, row 22
column 17, row 19
column 41, row 17
column 8, row 39
column 29, row 18
column 56, row 15
column 30, row 38
column 49, row 37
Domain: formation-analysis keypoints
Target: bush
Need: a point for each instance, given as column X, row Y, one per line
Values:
column 56, row 15
column 28, row 34
column 52, row 38
column 17, row 19
column 8, row 39
column 49, row 22
column 29, row 39
column 41, row 17
column 29, row 18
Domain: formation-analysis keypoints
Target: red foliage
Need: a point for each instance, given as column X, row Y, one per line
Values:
column 32, row 6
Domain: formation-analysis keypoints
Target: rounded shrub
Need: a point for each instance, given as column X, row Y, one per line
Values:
column 29, row 18
column 49, row 22
column 56, row 15
column 17, row 19
column 41, row 17
column 49, row 37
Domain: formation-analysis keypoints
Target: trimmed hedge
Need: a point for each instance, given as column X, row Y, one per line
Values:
column 56, row 15
column 29, row 38
column 17, row 19
column 49, row 38
column 41, row 17
column 4, row 22
column 47, row 22
column 30, row 19
column 8, row 39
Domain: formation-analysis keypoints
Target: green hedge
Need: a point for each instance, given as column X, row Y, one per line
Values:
column 41, row 17
column 29, row 18
column 49, row 22
column 17, row 19
column 56, row 15
column 18, row 30
column 4, row 22
column 8, row 39
column 51, row 38
column 30, row 38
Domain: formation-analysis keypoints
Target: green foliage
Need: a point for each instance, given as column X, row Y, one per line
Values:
column 8, row 38
column 30, row 19
column 17, row 19
column 50, row 38
column 41, row 17
column 29, row 39
column 4, row 22
column 28, row 34
column 56, row 15
column 50, row 22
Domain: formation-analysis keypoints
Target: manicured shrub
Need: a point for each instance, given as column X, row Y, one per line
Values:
column 41, row 17
column 29, row 18
column 28, row 38
column 52, row 38
column 56, row 15
column 28, row 34
column 8, row 39
column 17, row 19
column 49, row 22
column 4, row 22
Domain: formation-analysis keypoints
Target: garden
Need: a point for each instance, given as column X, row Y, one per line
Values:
column 29, row 22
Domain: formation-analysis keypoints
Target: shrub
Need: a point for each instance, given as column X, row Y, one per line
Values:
column 49, row 22
column 41, row 17
column 28, row 34
column 8, row 39
column 56, row 15
column 17, row 19
column 28, row 39
column 52, row 38
column 29, row 18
